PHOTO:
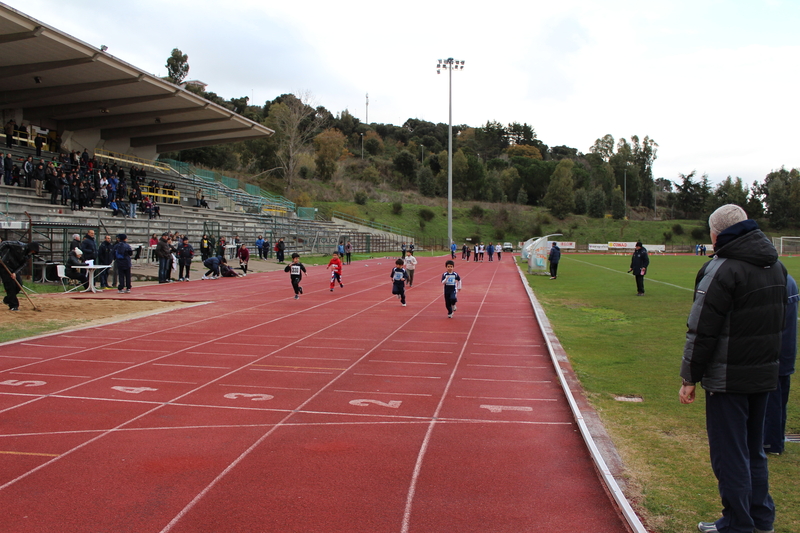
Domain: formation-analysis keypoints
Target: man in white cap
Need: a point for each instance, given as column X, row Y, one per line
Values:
column 732, row 348
column 76, row 259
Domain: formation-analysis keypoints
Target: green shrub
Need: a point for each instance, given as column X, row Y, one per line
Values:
column 667, row 236
column 476, row 212
column 699, row 234
column 361, row 198
column 426, row 214
column 677, row 229
column 397, row 208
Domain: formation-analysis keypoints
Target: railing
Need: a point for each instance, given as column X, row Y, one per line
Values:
column 101, row 154
column 175, row 195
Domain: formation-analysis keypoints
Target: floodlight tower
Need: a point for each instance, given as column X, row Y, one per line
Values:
column 450, row 64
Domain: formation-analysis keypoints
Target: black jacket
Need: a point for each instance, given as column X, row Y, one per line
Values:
column 734, row 328
column 89, row 249
column 639, row 260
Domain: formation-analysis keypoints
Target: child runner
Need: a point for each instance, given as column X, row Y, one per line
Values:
column 296, row 269
column 399, row 277
column 410, row 264
column 336, row 273
column 452, row 284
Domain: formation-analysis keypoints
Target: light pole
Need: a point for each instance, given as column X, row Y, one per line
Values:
column 362, row 146
column 450, row 64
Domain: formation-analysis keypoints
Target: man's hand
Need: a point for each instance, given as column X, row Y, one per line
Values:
column 687, row 393
column 13, row 276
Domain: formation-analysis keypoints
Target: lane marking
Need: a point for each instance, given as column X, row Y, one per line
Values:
column 193, row 366
column 54, row 346
column 261, row 387
column 288, row 371
column 224, row 354
column 406, row 362
column 502, row 398
column 148, row 380
column 389, row 393
column 396, row 376
column 507, row 354
column 501, row 408
column 310, row 358
column 29, row 453
column 508, row 366
column 505, row 380
column 329, row 348
column 415, row 351
column 96, row 361
column 20, row 357
column 303, row 367
column 51, row 375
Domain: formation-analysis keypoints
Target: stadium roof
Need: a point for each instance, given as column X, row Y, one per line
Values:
column 54, row 81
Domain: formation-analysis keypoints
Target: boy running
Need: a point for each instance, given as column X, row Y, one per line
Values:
column 452, row 284
column 336, row 273
column 296, row 269
column 399, row 278
column 410, row 265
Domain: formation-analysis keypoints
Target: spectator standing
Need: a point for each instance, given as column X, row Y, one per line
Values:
column 134, row 196
column 280, row 248
column 105, row 256
column 198, row 196
column 348, row 250
column 38, row 142
column 8, row 166
column 164, row 256
column 498, row 250
column 260, row 246
column 554, row 258
column 733, row 347
column 243, row 253
column 340, row 249
column 89, row 247
column 267, row 249
column 639, row 263
column 206, row 245
column 122, row 258
column 76, row 242
column 28, row 169
column 9, row 131
column 775, row 420
column 490, row 251
column 453, row 249
column 185, row 255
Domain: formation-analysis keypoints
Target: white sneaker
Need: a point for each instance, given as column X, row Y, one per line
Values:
column 205, row 277
column 454, row 308
column 403, row 305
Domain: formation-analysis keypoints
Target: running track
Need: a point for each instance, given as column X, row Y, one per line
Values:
column 338, row 412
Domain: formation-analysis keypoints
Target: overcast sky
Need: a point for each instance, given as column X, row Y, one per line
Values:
column 714, row 83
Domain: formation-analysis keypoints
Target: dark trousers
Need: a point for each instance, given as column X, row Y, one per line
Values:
column 553, row 270
column 398, row 287
column 775, row 421
column 639, row 283
column 279, row 256
column 296, row 284
column 450, row 299
column 260, row 252
column 124, row 276
column 104, row 277
column 10, row 299
column 348, row 254
column 735, row 425
column 184, row 265
column 163, row 269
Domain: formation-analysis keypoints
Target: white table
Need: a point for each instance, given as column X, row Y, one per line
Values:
column 92, row 269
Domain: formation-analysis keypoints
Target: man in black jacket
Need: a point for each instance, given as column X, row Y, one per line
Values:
column 554, row 257
column 639, row 263
column 105, row 256
column 89, row 246
column 732, row 347
column 14, row 255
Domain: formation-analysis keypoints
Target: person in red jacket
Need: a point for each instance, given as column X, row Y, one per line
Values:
column 336, row 273
column 244, row 257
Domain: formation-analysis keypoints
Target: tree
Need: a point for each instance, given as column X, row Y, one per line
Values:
column 691, row 195
column 406, row 164
column 617, row 203
column 425, row 182
column 604, row 147
column 373, row 143
column 523, row 150
column 596, row 203
column 177, row 66
column 295, row 123
column 581, row 202
column 559, row 198
column 330, row 147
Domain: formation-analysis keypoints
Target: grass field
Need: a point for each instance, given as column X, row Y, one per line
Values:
column 623, row 345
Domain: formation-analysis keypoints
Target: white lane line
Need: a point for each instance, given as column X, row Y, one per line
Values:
column 507, row 354
column 405, row 362
column 514, row 399
column 193, row 366
column 505, row 380
column 415, row 351
column 148, row 380
column 310, row 358
column 508, row 366
column 224, row 354
column 96, row 361
column 428, row 342
column 386, row 393
column 134, row 349
column 625, row 273
column 20, row 357
column 269, row 387
column 51, row 375
column 288, row 371
column 330, row 348
column 53, row 346
column 396, row 376
column 412, row 489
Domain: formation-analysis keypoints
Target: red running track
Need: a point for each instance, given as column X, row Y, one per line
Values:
column 337, row 412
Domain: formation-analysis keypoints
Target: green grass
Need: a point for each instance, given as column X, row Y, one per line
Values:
column 620, row 344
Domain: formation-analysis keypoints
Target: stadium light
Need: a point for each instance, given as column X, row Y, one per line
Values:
column 449, row 64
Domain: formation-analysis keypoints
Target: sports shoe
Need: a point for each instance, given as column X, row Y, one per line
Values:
column 707, row 527
column 301, row 289
column 454, row 308
column 450, row 315
column 331, row 290
column 13, row 308
column 403, row 305
column 127, row 291
column 121, row 291
column 180, row 279
column 341, row 286
column 296, row 296
column 205, row 277
column 756, row 530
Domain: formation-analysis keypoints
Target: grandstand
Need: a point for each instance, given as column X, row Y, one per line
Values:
column 127, row 117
